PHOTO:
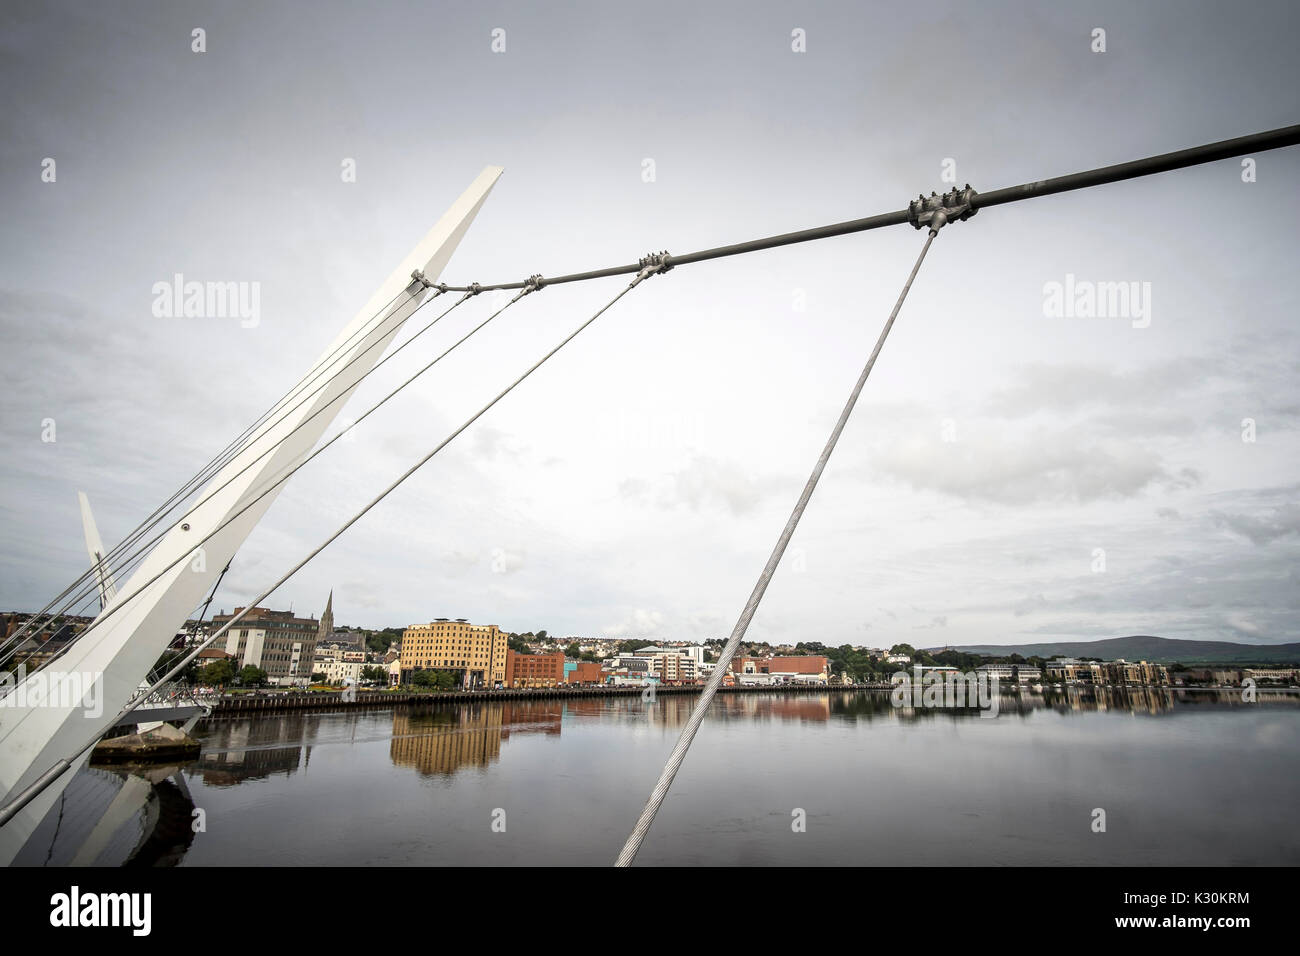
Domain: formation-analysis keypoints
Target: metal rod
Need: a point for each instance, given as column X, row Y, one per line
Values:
column 1257, row 142
column 1165, row 162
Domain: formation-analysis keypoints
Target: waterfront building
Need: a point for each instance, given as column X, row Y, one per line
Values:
column 1072, row 669
column 800, row 669
column 674, row 668
column 621, row 678
column 338, row 671
column 804, row 668
column 534, row 670
column 694, row 651
column 583, row 672
column 1118, row 672
column 475, row 653
column 1284, row 675
column 1021, row 672
column 1121, row 671
column 282, row 645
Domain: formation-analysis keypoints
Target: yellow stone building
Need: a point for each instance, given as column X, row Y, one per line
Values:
column 475, row 653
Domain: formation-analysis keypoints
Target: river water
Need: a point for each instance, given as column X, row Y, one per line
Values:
column 834, row 778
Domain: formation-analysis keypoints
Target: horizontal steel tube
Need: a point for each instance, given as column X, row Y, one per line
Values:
column 1257, row 142
column 1273, row 139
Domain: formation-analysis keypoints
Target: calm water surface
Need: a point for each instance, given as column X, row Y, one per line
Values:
column 1183, row 777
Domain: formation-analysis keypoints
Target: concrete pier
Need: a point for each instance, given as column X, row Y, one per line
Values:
column 161, row 744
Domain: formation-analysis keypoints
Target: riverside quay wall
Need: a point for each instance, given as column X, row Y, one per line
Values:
column 249, row 703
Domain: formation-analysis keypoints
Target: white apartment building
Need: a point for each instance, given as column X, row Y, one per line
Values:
column 694, row 651
column 1005, row 671
column 338, row 672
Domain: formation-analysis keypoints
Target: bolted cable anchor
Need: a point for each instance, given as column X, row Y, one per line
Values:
column 937, row 211
column 418, row 276
column 533, row 283
column 656, row 263
column 473, row 289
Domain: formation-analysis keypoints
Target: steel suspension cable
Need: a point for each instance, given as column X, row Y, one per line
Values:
column 266, row 489
column 87, row 592
column 202, row 612
column 638, row 834
column 11, row 809
column 214, row 465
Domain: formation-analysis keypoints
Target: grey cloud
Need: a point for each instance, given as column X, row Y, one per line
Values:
column 1281, row 522
column 1041, row 466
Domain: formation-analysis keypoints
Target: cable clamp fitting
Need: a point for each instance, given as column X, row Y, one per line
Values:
column 656, row 263
column 937, row 211
column 473, row 289
column 532, row 284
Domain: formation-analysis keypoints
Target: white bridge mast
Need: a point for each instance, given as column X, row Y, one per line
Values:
column 118, row 654
column 95, row 548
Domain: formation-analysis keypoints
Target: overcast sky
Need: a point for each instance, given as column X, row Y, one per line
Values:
column 635, row 485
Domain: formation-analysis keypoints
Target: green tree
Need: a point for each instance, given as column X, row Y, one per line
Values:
column 374, row 672
column 218, row 672
column 573, row 650
column 436, row 680
column 318, row 677
column 252, row 676
column 518, row 645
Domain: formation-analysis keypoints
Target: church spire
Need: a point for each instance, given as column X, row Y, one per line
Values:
column 327, row 619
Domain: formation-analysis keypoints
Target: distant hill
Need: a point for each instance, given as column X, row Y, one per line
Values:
column 1162, row 650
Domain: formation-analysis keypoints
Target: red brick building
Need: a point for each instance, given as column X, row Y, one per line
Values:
column 796, row 668
column 587, row 672
column 534, row 670
column 806, row 666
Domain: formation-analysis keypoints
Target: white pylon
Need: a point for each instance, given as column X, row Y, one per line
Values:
column 118, row 653
column 95, row 548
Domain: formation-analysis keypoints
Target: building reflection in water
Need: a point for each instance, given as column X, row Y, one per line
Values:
column 1148, row 700
column 142, row 815
column 253, row 748
column 442, row 739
